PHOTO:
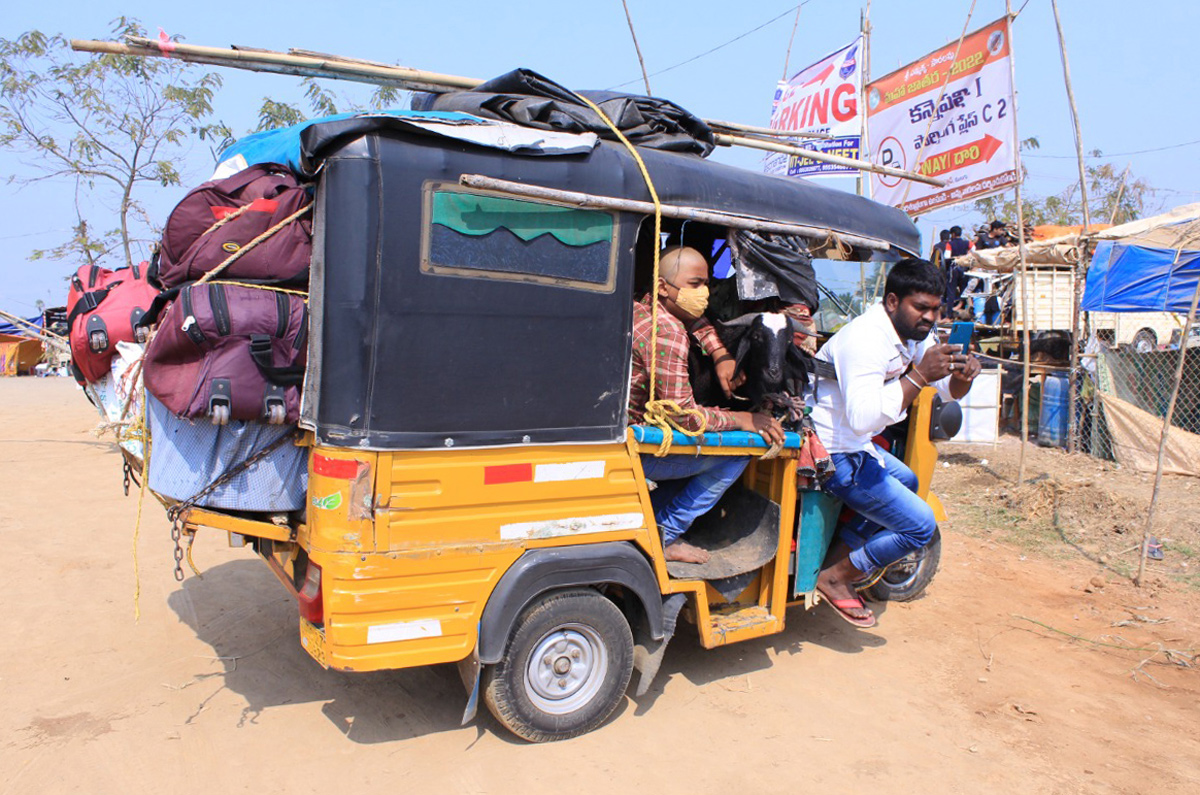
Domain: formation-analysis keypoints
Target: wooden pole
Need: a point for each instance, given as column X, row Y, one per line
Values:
column 1025, row 367
column 1077, row 288
column 734, row 127
column 824, row 157
column 337, row 68
column 636, row 47
column 1112, row 217
column 1162, row 441
column 788, row 57
column 864, row 151
column 729, row 220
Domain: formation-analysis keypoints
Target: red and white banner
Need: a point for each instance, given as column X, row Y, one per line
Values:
column 822, row 98
column 949, row 118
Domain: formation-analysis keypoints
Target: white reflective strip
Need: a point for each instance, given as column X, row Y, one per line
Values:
column 552, row 528
column 404, row 630
column 576, row 470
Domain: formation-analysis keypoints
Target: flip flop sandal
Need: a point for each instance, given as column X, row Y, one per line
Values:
column 841, row 606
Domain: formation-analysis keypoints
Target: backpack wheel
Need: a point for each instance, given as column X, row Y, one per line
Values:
column 220, row 414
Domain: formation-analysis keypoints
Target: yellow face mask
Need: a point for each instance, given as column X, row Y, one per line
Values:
column 692, row 300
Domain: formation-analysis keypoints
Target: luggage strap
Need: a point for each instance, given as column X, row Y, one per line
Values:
column 260, row 351
column 88, row 302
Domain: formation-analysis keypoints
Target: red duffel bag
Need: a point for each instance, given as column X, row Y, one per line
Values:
column 218, row 219
column 103, row 307
column 227, row 351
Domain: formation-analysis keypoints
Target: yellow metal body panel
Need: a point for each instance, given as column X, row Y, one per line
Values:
column 407, row 586
column 411, row 545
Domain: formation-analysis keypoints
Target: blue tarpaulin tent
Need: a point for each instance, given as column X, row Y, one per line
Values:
column 21, row 330
column 1151, row 265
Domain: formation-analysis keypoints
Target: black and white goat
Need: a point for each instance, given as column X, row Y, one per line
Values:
column 776, row 370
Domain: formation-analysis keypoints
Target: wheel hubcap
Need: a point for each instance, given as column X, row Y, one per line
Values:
column 566, row 669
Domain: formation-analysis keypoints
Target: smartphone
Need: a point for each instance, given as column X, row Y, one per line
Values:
column 960, row 334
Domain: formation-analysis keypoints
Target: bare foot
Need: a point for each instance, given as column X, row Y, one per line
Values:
column 684, row 552
column 836, row 583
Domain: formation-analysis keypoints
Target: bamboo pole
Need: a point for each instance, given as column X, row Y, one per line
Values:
column 788, row 57
column 1025, row 366
column 825, row 157
column 1077, row 287
column 864, row 182
column 769, row 131
column 731, row 220
column 337, row 68
column 46, row 333
column 636, row 47
column 1112, row 217
column 1162, row 441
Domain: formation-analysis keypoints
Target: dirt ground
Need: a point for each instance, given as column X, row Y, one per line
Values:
column 978, row 687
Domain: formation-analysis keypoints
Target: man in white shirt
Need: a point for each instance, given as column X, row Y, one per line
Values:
column 883, row 359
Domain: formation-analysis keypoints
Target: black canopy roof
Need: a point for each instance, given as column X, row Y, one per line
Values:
column 687, row 180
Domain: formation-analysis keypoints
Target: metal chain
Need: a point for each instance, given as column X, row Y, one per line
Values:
column 176, row 535
column 177, row 513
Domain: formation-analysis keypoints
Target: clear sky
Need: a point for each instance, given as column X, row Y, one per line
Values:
column 1132, row 66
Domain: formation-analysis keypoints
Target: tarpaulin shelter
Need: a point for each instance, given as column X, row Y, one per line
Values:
column 19, row 354
column 1151, row 265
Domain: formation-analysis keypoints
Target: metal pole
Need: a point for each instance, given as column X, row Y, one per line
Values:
column 1012, row 66
column 1077, row 287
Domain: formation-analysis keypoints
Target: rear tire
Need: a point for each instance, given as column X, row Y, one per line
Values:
column 1145, row 341
column 565, row 667
column 907, row 578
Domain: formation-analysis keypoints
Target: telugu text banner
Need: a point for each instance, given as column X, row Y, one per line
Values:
column 949, row 118
column 821, row 98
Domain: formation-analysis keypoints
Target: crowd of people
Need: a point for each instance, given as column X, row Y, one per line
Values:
column 964, row 295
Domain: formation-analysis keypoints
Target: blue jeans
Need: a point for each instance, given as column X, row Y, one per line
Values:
column 677, row 505
column 892, row 520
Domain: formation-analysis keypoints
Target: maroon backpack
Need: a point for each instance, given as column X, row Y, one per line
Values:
column 219, row 218
column 103, row 307
column 228, row 351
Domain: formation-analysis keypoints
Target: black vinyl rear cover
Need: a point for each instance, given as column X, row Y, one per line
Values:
column 414, row 359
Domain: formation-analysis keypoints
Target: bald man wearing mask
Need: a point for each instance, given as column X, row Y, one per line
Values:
column 683, row 296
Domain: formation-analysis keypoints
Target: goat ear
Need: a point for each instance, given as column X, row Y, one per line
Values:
column 742, row 349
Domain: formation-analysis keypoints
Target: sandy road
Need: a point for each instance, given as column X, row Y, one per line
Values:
column 211, row 692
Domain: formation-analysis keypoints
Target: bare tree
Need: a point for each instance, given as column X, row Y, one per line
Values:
column 112, row 125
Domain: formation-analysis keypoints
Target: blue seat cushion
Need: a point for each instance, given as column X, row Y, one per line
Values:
column 650, row 434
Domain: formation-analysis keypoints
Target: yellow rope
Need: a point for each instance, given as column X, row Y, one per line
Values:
column 302, row 293
column 138, row 429
column 659, row 413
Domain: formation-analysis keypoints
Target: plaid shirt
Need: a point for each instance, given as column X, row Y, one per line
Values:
column 672, row 371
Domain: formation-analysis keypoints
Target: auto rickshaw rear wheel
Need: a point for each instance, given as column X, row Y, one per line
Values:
column 907, row 578
column 565, row 667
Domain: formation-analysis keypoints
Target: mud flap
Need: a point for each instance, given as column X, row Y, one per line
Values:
column 648, row 652
column 470, row 670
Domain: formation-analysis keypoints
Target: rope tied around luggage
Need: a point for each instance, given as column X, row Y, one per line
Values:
column 246, row 249
column 664, row 414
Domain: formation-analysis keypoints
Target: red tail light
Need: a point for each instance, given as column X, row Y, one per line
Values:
column 312, row 609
